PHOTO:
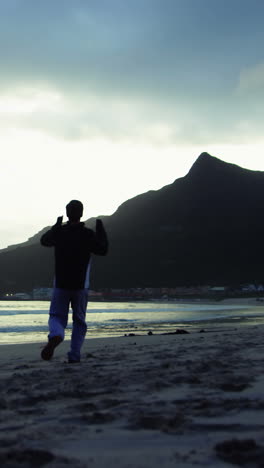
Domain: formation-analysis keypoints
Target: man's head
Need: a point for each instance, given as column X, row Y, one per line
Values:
column 74, row 210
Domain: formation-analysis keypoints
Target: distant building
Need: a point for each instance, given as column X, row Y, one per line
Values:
column 95, row 294
column 21, row 296
column 42, row 293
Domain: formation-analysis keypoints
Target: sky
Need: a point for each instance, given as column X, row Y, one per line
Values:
column 101, row 100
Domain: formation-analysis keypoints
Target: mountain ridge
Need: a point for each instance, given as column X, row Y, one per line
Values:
column 203, row 161
column 202, row 228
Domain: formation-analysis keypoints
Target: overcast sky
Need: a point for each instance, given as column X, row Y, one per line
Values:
column 101, row 100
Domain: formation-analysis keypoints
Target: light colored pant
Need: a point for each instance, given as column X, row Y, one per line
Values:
column 58, row 319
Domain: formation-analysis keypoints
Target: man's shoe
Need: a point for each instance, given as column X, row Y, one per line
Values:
column 48, row 350
column 73, row 361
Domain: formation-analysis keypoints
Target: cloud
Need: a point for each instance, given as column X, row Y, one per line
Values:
column 116, row 47
column 179, row 121
column 251, row 81
column 143, row 70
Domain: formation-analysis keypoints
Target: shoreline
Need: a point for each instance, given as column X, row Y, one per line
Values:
column 217, row 325
column 194, row 399
column 243, row 312
column 189, row 299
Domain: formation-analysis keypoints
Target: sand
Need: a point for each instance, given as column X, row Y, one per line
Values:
column 180, row 400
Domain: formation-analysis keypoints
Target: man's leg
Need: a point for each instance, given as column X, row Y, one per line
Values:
column 58, row 315
column 79, row 300
column 58, row 320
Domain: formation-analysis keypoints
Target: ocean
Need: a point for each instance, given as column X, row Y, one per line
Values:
column 26, row 321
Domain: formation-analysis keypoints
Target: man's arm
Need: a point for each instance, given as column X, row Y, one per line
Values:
column 48, row 239
column 100, row 246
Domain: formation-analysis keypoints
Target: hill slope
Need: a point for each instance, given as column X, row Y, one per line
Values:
column 205, row 227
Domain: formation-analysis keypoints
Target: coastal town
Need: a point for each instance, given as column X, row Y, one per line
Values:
column 148, row 294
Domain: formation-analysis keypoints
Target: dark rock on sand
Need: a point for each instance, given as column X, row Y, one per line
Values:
column 179, row 331
column 240, row 452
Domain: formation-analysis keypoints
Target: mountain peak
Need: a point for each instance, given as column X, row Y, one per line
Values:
column 207, row 159
column 207, row 165
column 205, row 155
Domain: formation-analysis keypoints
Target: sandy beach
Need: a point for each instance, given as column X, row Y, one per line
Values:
column 185, row 400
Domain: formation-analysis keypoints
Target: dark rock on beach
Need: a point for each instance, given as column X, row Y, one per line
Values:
column 241, row 452
column 179, row 331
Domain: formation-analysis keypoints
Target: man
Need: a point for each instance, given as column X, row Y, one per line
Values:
column 74, row 244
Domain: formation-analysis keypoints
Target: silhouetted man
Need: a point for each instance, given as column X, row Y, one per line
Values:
column 74, row 244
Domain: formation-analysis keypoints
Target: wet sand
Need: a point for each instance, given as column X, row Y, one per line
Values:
column 181, row 400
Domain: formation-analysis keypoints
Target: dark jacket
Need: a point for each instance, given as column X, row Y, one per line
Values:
column 74, row 244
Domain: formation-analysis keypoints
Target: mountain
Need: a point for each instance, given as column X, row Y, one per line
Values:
column 31, row 241
column 206, row 227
